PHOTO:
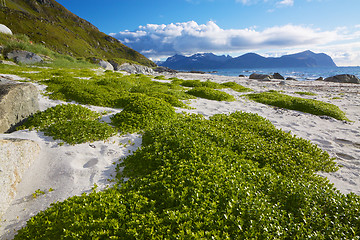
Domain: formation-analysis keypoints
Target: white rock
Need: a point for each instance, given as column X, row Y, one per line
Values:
column 5, row 29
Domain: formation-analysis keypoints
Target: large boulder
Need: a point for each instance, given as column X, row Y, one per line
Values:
column 162, row 69
column 343, row 78
column 106, row 65
column 17, row 102
column 21, row 56
column 278, row 76
column 136, row 69
column 16, row 156
column 260, row 76
column 5, row 29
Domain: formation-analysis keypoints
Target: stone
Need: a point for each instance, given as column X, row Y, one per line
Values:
column 260, row 76
column 278, row 76
column 136, row 69
column 16, row 156
column 162, row 69
column 291, row 78
column 343, row 78
column 282, row 83
column 8, row 63
column 17, row 102
column 21, row 56
column 5, row 29
column 319, row 79
column 115, row 65
column 106, row 65
column 241, row 75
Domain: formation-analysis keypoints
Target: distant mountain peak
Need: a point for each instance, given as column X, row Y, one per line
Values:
column 249, row 60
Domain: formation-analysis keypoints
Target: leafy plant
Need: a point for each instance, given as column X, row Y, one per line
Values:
column 294, row 103
column 211, row 94
column 236, row 87
column 71, row 123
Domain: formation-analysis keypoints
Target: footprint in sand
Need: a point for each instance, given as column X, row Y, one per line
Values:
column 91, row 163
column 347, row 142
column 345, row 156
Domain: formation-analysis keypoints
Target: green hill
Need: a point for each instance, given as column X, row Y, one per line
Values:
column 49, row 23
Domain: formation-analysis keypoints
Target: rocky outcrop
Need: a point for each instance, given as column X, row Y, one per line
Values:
column 162, row 69
column 106, row 65
column 135, row 69
column 20, row 56
column 5, row 29
column 16, row 156
column 260, row 76
column 278, row 76
column 17, row 101
column 343, row 78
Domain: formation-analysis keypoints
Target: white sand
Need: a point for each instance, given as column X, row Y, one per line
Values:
column 72, row 170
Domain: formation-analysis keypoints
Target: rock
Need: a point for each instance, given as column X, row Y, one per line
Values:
column 135, row 69
column 343, row 78
column 319, row 79
column 260, row 76
column 17, row 102
column 291, row 78
column 7, row 62
column 106, row 65
column 20, row 56
column 16, row 156
column 282, row 83
column 162, row 69
column 5, row 29
column 278, row 76
column 115, row 65
column 241, row 75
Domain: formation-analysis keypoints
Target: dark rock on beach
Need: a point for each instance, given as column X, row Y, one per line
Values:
column 260, row 76
column 278, row 76
column 162, row 69
column 343, row 78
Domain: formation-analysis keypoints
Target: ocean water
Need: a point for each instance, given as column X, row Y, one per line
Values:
column 301, row 74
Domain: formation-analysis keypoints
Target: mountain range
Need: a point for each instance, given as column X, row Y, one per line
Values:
column 249, row 60
column 49, row 23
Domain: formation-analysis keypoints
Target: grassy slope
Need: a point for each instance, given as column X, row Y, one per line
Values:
column 62, row 31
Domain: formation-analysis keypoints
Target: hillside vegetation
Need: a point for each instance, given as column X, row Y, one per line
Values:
column 49, row 23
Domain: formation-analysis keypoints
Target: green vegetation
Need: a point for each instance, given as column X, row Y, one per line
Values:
column 300, row 104
column 211, row 94
column 236, row 87
column 143, row 112
column 230, row 177
column 306, row 93
column 71, row 123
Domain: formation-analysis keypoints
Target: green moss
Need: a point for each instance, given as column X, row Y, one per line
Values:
column 300, row 104
column 211, row 94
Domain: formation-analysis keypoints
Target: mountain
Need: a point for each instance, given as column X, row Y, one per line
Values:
column 248, row 60
column 49, row 23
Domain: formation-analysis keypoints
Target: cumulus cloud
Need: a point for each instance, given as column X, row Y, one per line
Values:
column 156, row 41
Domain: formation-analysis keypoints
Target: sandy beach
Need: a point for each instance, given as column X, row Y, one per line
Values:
column 73, row 170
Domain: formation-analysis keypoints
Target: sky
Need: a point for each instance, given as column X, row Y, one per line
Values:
column 162, row 28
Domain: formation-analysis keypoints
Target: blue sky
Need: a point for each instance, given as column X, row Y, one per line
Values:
column 162, row 28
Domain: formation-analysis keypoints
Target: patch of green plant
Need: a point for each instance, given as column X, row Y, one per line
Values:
column 142, row 112
column 335, row 98
column 203, row 179
column 236, row 87
column 211, row 94
column 160, row 77
column 306, row 93
column 71, row 123
column 38, row 193
column 315, row 107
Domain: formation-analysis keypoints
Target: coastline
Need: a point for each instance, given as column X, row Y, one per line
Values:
column 72, row 170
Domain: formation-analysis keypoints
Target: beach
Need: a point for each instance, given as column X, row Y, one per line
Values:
column 72, row 170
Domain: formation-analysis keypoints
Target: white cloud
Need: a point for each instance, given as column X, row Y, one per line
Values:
column 285, row 3
column 156, row 41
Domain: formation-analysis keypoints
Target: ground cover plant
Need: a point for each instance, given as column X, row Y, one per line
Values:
column 210, row 179
column 312, row 106
column 71, row 123
column 306, row 93
column 211, row 94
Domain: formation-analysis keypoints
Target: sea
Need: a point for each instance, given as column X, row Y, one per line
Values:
column 301, row 74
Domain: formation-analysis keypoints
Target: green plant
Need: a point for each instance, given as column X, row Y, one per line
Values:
column 198, row 179
column 294, row 103
column 236, row 87
column 211, row 94
column 38, row 193
column 71, row 123
column 306, row 93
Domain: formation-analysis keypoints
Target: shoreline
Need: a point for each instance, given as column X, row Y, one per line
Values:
column 72, row 170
